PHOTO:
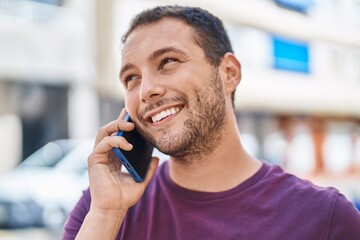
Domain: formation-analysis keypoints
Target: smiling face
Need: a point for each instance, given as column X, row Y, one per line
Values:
column 173, row 94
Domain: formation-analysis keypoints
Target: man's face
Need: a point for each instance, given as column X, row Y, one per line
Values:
column 173, row 94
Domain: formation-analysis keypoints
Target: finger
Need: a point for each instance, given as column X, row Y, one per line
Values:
column 122, row 113
column 121, row 116
column 101, row 150
column 152, row 169
column 113, row 127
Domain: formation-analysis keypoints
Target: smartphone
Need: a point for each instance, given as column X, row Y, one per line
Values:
column 137, row 160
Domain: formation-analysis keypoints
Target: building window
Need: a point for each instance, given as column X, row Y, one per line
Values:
column 290, row 55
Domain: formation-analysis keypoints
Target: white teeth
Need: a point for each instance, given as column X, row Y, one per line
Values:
column 163, row 114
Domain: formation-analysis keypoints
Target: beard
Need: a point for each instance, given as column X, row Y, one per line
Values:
column 202, row 129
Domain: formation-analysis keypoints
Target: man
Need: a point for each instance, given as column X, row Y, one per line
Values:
column 180, row 75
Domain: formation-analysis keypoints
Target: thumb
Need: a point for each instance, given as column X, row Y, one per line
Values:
column 152, row 169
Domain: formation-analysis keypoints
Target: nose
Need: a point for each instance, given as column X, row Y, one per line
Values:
column 150, row 89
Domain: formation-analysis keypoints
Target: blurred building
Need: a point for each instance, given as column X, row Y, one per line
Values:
column 298, row 102
column 47, row 74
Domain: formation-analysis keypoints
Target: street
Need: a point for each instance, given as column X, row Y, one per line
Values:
column 27, row 233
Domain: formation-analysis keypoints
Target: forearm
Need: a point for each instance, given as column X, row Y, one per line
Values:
column 101, row 224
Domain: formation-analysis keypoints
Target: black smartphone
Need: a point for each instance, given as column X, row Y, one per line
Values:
column 137, row 160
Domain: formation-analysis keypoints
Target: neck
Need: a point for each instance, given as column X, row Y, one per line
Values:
column 221, row 169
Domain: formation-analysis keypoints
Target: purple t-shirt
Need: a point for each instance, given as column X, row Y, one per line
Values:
column 269, row 205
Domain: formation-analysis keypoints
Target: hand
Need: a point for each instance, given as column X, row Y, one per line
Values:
column 112, row 190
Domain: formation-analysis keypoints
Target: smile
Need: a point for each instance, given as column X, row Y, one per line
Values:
column 165, row 113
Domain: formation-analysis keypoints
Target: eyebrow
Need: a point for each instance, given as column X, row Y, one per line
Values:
column 125, row 68
column 162, row 51
column 153, row 56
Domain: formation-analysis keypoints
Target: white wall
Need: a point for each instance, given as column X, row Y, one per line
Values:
column 10, row 142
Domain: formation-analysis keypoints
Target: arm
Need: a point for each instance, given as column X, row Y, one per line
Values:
column 112, row 191
column 101, row 225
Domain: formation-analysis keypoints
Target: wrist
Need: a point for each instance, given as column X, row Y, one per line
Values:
column 101, row 224
column 107, row 214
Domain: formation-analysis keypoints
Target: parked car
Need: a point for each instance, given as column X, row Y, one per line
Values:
column 43, row 189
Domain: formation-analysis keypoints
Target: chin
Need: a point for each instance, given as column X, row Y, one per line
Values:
column 173, row 148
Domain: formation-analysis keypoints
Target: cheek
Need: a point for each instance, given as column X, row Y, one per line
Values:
column 187, row 81
column 131, row 103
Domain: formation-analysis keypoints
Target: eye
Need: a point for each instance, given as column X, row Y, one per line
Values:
column 130, row 79
column 166, row 61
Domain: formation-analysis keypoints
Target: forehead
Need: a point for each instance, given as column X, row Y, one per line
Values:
column 163, row 33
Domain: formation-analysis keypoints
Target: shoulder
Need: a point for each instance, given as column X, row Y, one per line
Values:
column 285, row 182
column 320, row 206
column 298, row 195
column 345, row 222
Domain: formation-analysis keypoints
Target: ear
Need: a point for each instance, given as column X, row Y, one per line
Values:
column 231, row 71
